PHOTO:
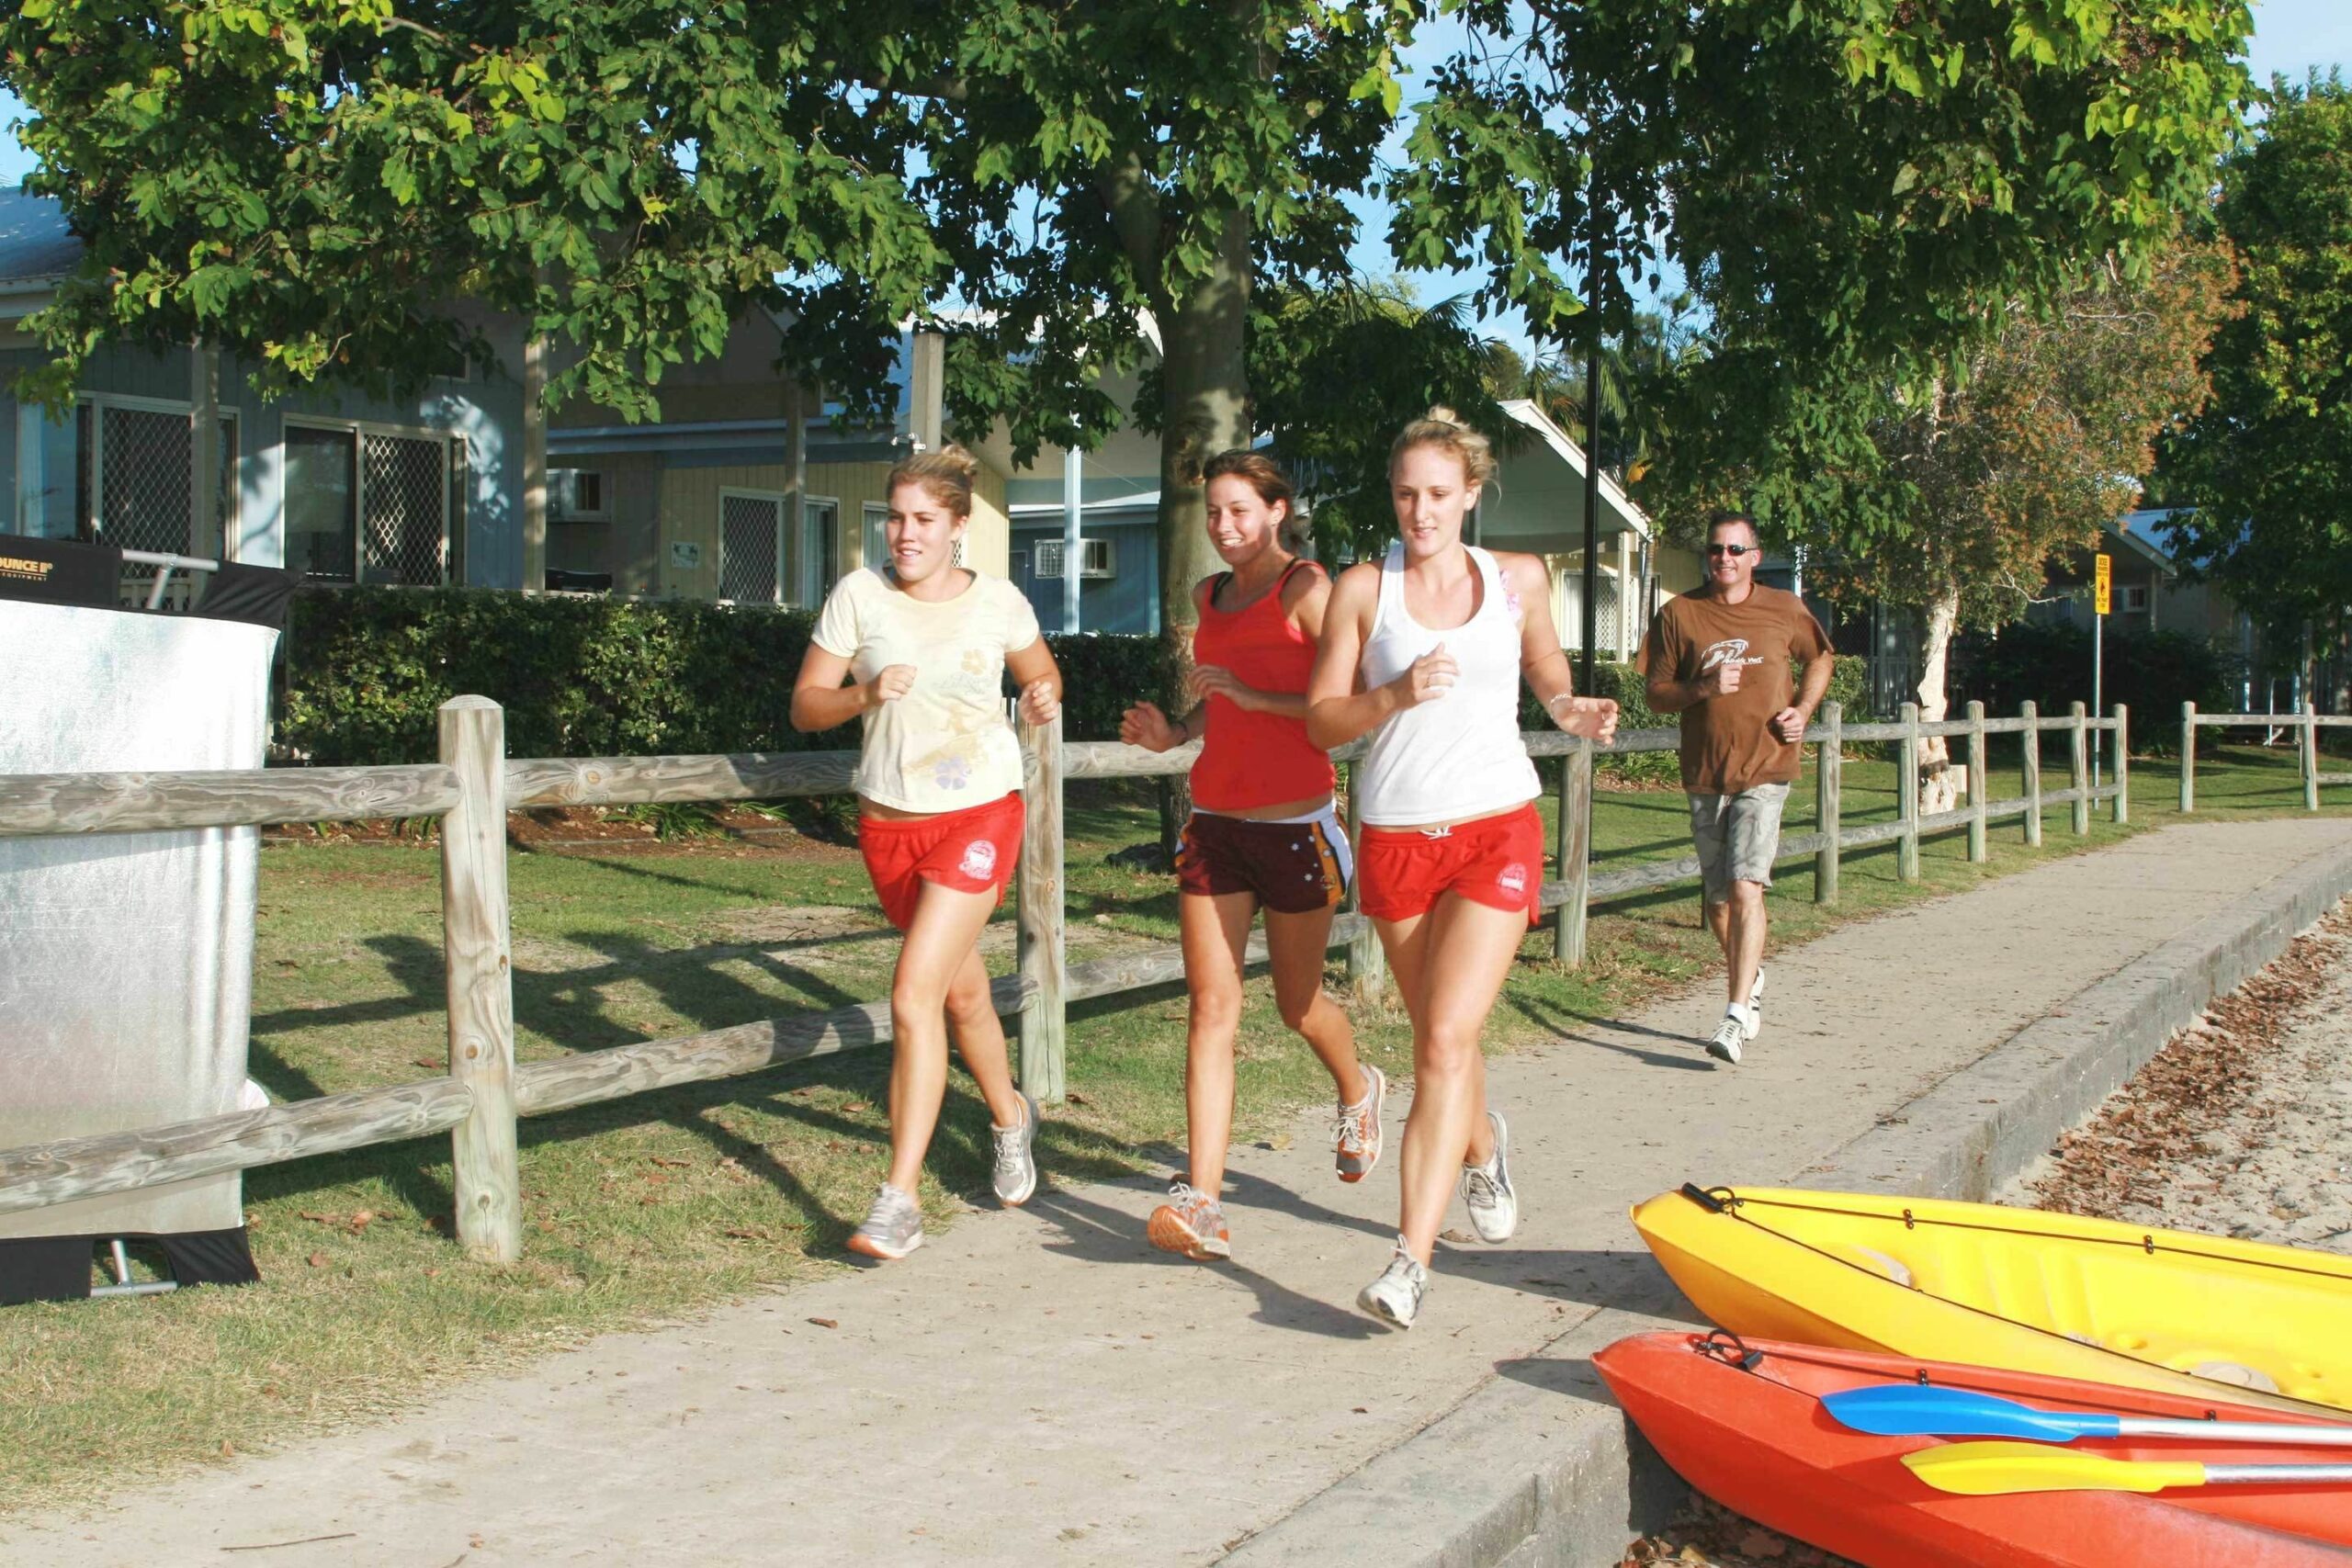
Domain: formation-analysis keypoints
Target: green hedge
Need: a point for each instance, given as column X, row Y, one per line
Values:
column 595, row 677
column 592, row 677
column 2152, row 673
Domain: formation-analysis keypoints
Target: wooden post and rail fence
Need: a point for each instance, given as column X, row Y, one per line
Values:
column 473, row 786
column 2310, row 721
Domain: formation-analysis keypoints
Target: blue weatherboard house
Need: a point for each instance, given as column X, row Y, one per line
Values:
column 343, row 486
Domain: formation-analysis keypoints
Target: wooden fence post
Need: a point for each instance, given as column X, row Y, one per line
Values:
column 2310, row 756
column 1906, row 781
column 2122, row 764
column 2030, row 761
column 1574, row 840
column 1977, row 851
column 2078, row 758
column 1043, row 954
column 1367, row 964
column 1825, row 782
column 2188, row 757
column 478, row 949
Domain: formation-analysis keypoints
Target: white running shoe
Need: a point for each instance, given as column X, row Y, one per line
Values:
column 1493, row 1201
column 1754, row 1023
column 1015, row 1174
column 893, row 1226
column 1729, row 1034
column 1396, row 1297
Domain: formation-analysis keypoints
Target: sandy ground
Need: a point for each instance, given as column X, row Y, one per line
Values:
column 2242, row 1126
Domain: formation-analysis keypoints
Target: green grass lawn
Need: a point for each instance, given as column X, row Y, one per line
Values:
column 658, row 1205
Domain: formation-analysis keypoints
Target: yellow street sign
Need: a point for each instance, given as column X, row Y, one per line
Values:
column 2105, row 582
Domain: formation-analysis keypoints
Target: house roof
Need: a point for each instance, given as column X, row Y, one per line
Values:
column 37, row 249
column 1540, row 502
column 2142, row 533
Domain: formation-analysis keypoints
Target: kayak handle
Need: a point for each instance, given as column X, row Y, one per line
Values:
column 1705, row 1197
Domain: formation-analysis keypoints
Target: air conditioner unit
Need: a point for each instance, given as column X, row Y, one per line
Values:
column 578, row 495
column 1097, row 558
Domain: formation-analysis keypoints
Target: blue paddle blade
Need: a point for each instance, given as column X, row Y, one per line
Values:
column 1916, row 1410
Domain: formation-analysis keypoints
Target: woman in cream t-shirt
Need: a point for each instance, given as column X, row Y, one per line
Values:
column 920, row 653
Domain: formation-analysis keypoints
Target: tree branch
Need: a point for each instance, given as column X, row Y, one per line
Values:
column 1134, row 208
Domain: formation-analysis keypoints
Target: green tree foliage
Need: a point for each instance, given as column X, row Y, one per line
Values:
column 1337, row 371
column 1093, row 165
column 2269, row 468
column 1838, row 176
column 310, row 183
column 1950, row 497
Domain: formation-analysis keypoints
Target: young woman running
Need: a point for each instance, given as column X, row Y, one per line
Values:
column 1424, row 652
column 920, row 651
column 1264, row 835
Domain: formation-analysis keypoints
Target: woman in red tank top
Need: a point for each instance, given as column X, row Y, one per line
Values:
column 1262, row 835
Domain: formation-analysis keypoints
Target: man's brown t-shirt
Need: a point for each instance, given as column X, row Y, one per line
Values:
column 1727, row 741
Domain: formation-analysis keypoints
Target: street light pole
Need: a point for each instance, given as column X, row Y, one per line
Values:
column 1589, row 611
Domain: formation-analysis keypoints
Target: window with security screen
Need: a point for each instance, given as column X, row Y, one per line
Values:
column 135, row 474
column 370, row 504
column 751, row 527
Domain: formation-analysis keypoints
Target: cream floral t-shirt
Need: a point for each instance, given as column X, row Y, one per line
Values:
column 947, row 745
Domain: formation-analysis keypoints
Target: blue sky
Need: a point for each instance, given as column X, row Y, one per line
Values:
column 2291, row 37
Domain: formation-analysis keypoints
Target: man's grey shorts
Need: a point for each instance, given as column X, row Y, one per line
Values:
column 1738, row 836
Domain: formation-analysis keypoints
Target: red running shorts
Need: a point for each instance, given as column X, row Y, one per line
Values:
column 971, row 851
column 1495, row 860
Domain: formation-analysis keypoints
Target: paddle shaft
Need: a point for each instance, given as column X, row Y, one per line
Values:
column 2278, row 1433
column 2274, row 1474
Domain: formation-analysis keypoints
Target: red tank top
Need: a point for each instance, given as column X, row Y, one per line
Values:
column 1251, row 759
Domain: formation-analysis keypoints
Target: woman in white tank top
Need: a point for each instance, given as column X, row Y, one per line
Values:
column 1423, row 651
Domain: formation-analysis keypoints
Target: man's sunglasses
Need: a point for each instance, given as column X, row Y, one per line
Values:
column 1735, row 551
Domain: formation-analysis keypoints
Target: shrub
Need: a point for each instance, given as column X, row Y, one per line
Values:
column 594, row 677
column 2152, row 673
column 580, row 677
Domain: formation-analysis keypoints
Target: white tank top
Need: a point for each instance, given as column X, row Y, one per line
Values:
column 1458, row 755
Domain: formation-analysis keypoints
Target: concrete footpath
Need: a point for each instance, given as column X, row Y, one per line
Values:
column 1043, row 1388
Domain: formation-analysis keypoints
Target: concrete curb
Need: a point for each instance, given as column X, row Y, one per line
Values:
column 1517, row 1475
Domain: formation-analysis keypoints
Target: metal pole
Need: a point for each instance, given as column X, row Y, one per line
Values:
column 1588, row 612
column 2099, row 675
column 1073, row 551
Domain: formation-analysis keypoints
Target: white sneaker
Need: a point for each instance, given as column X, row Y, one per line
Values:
column 1396, row 1297
column 1755, row 1021
column 1487, row 1190
column 1729, row 1034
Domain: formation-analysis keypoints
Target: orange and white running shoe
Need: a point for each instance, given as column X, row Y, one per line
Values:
column 1355, row 1131
column 1192, row 1223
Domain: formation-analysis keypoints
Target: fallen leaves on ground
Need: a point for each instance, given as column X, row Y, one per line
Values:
column 1708, row 1535
column 2205, row 1074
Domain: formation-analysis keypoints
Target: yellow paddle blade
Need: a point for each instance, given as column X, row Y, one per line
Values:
column 1990, row 1470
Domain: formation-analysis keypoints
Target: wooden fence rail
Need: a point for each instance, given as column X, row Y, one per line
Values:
column 472, row 788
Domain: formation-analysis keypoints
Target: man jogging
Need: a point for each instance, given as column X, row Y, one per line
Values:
column 1723, row 656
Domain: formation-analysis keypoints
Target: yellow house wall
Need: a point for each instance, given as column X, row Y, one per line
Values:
column 1678, row 570
column 690, row 512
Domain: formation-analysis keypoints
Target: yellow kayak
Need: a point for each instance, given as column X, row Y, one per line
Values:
column 2015, row 1288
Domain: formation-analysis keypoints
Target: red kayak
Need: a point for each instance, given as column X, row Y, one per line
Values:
column 1743, row 1424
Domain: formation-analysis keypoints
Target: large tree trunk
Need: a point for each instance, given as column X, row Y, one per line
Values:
column 1939, row 779
column 1206, row 381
